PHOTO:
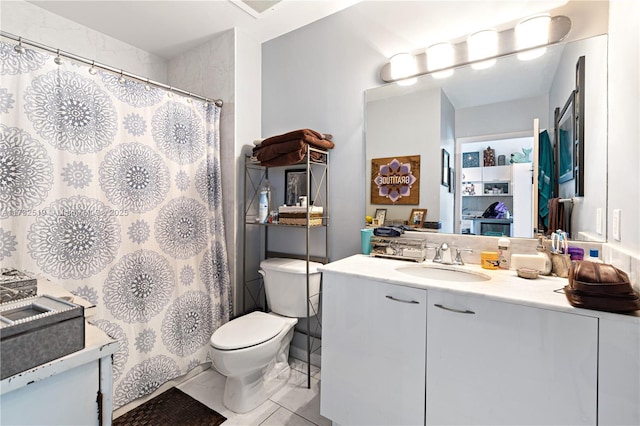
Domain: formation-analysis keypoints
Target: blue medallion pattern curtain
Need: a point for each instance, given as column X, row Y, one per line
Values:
column 112, row 189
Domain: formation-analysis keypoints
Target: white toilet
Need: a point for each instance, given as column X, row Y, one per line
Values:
column 253, row 350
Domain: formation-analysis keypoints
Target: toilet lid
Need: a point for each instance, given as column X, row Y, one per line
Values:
column 248, row 330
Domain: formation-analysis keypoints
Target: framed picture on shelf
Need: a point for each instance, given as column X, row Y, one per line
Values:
column 444, row 169
column 470, row 159
column 295, row 182
column 381, row 215
column 417, row 217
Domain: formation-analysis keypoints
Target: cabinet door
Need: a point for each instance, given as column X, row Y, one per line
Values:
column 496, row 174
column 471, row 174
column 373, row 349
column 498, row 363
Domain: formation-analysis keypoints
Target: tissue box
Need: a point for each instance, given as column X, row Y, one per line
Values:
column 414, row 249
column 292, row 215
column 16, row 285
column 37, row 330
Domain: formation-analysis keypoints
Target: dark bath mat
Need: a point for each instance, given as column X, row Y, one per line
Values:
column 171, row 408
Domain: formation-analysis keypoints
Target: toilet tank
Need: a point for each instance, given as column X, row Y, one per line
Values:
column 285, row 284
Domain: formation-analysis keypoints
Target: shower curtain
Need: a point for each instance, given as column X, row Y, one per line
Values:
column 111, row 188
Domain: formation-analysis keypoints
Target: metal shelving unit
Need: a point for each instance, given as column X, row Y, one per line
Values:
column 255, row 176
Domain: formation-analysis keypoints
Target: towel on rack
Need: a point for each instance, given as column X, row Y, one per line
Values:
column 309, row 136
column 557, row 215
column 545, row 178
column 291, row 147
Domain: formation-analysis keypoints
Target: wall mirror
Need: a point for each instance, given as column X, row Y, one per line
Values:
column 493, row 106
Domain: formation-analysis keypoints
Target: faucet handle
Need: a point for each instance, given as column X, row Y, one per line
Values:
column 459, row 251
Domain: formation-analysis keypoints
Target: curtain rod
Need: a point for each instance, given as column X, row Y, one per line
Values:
column 95, row 64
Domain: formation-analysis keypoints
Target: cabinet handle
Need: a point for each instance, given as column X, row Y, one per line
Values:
column 414, row 302
column 437, row 305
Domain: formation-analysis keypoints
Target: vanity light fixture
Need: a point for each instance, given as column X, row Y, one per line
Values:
column 508, row 43
column 532, row 32
column 403, row 65
column 440, row 56
column 481, row 45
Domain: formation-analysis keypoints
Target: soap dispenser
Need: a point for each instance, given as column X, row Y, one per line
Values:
column 542, row 251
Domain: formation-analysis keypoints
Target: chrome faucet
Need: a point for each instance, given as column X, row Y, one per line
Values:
column 458, row 260
column 443, row 249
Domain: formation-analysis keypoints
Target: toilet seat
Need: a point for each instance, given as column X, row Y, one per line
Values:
column 248, row 330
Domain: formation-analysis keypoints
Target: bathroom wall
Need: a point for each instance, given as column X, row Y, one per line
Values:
column 227, row 67
column 624, row 136
column 33, row 23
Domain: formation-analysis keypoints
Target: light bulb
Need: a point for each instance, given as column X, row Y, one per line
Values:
column 440, row 56
column 532, row 32
column 482, row 44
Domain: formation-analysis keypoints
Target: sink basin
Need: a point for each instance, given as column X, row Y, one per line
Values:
column 443, row 274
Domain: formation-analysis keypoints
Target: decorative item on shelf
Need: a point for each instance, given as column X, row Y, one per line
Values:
column 295, row 181
column 469, row 189
column 521, row 157
column 470, row 159
column 291, row 215
column 501, row 160
column 417, row 217
column 413, row 249
column 381, row 215
column 489, row 157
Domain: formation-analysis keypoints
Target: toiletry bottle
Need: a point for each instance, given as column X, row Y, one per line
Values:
column 542, row 251
column 504, row 255
column 263, row 203
column 594, row 256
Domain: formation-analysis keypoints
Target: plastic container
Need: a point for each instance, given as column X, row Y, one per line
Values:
column 594, row 256
column 365, row 240
column 504, row 255
column 263, row 203
column 576, row 253
column 489, row 260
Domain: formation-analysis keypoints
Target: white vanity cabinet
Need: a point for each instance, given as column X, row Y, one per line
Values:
column 373, row 346
column 490, row 362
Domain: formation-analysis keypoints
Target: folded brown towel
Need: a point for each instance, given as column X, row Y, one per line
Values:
column 293, row 157
column 306, row 135
column 264, row 153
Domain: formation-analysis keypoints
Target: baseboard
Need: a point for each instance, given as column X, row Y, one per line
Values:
column 298, row 348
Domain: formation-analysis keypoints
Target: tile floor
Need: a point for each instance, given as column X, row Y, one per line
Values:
column 293, row 405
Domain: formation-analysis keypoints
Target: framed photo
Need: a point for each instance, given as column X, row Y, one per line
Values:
column 417, row 217
column 452, row 180
column 470, row 159
column 381, row 215
column 295, row 182
column 565, row 137
column 444, row 169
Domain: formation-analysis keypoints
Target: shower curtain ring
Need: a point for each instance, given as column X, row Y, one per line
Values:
column 93, row 69
column 147, row 86
column 18, row 47
column 58, row 58
column 121, row 80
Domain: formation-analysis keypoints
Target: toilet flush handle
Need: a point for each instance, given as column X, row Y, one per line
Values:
column 261, row 272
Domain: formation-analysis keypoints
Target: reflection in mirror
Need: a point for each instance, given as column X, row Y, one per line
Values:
column 494, row 108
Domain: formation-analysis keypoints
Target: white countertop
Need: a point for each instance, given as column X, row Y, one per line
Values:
column 504, row 285
column 96, row 345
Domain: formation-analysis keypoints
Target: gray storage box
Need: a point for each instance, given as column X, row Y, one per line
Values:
column 16, row 285
column 38, row 330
